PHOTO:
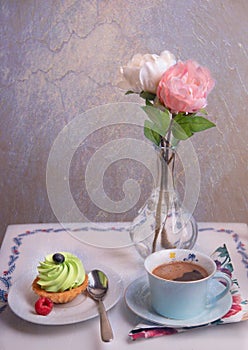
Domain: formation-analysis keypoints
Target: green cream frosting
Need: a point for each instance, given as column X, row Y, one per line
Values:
column 58, row 277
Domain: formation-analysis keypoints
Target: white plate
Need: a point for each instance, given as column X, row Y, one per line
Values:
column 21, row 300
column 137, row 297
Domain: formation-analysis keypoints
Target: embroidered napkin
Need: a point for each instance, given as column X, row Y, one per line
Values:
column 238, row 311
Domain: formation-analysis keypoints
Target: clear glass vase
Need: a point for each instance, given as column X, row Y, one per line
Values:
column 163, row 222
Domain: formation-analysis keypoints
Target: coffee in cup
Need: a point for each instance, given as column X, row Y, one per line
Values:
column 181, row 281
column 180, row 271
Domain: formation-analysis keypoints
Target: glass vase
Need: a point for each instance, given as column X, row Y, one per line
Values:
column 163, row 222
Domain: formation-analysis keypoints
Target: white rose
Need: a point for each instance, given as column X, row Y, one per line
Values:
column 143, row 72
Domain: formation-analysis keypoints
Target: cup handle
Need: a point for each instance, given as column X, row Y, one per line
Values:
column 228, row 283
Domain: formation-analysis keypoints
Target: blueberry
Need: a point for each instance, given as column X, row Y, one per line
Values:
column 58, row 258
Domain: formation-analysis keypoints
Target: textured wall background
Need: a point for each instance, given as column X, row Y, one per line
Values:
column 61, row 58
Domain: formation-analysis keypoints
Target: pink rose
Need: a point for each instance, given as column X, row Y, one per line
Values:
column 184, row 87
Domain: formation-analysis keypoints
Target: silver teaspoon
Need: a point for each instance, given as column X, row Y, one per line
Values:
column 97, row 289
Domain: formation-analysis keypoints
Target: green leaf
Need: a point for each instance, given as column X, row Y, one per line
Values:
column 150, row 125
column 184, row 126
column 150, row 133
column 181, row 129
column 129, row 92
column 181, row 132
column 160, row 119
column 147, row 95
column 200, row 123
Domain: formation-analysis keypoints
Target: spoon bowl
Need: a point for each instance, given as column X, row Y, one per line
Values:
column 97, row 289
column 97, row 284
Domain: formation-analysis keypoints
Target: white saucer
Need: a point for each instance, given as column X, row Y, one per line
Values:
column 137, row 297
column 21, row 300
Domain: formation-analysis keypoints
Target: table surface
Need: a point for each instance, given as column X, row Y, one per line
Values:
column 25, row 241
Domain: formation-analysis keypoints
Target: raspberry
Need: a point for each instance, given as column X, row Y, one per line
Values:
column 43, row 306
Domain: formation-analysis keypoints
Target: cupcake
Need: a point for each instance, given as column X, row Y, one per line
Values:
column 61, row 277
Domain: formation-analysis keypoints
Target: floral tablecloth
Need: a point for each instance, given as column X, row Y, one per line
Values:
column 22, row 242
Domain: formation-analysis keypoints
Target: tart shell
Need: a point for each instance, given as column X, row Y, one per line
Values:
column 60, row 297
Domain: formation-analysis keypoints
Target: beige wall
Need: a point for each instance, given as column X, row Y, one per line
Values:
column 61, row 58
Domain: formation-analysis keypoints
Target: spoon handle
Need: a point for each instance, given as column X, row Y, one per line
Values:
column 106, row 330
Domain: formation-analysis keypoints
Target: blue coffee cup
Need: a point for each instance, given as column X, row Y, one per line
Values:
column 184, row 299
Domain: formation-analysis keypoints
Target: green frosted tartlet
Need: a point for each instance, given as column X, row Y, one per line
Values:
column 61, row 277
